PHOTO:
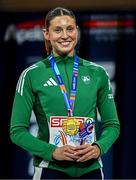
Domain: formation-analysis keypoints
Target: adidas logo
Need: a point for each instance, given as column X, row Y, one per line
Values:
column 50, row 82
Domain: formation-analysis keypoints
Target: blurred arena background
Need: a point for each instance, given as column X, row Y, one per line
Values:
column 108, row 37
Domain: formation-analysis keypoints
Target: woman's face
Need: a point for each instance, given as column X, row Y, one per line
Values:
column 62, row 34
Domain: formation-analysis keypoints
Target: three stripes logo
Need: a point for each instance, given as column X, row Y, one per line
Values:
column 50, row 82
column 21, row 81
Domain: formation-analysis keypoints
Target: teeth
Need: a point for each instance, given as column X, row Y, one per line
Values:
column 65, row 43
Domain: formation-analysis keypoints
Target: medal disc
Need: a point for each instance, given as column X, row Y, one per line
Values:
column 71, row 126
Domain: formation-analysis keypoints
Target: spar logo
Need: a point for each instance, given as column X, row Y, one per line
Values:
column 58, row 121
column 29, row 31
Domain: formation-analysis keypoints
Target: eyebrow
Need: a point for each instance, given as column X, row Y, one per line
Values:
column 61, row 26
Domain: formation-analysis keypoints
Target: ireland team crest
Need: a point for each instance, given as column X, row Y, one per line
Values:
column 86, row 79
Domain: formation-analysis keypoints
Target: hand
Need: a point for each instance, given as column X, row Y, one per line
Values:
column 87, row 152
column 66, row 152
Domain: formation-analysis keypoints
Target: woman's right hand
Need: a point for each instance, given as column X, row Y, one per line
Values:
column 65, row 153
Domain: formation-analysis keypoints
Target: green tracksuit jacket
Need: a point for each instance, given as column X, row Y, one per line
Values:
column 37, row 89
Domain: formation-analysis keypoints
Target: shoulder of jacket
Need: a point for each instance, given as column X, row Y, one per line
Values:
column 34, row 69
column 92, row 65
column 38, row 66
column 99, row 69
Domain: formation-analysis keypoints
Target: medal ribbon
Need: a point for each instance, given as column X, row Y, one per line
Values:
column 68, row 102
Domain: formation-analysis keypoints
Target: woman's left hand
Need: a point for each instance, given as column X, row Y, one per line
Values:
column 87, row 152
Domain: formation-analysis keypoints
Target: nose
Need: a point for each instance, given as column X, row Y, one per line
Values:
column 64, row 35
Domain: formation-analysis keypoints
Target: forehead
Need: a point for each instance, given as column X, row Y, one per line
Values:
column 62, row 21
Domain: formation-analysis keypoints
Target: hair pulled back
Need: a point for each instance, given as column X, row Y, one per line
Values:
column 59, row 11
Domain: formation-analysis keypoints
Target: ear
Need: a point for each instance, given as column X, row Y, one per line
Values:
column 46, row 34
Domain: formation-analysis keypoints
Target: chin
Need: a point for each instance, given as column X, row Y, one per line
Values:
column 68, row 51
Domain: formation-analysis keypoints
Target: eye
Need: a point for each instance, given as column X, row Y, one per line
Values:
column 70, row 29
column 57, row 30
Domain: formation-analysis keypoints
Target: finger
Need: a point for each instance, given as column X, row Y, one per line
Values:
column 86, row 157
column 90, row 155
column 70, row 151
column 81, row 152
column 69, row 147
column 84, row 146
column 69, row 155
column 68, row 158
column 72, row 147
column 81, row 147
column 84, row 151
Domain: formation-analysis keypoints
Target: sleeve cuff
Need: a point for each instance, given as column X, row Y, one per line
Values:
column 51, row 150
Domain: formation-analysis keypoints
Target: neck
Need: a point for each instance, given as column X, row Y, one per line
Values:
column 55, row 54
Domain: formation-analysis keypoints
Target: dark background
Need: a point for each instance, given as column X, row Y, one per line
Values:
column 114, row 43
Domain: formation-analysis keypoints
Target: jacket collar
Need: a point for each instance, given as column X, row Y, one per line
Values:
column 63, row 58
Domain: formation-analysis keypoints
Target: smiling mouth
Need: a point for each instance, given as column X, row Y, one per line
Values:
column 65, row 43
